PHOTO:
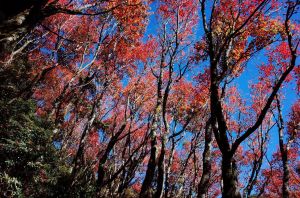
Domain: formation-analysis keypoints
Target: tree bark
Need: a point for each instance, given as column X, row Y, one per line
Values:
column 257, row 163
column 170, row 161
column 146, row 186
column 283, row 151
column 230, row 178
column 253, row 178
column 206, row 173
column 80, row 152
column 161, row 170
column 102, row 161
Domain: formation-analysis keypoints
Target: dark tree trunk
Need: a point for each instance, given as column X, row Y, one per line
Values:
column 284, row 154
column 80, row 152
column 256, row 164
column 150, row 173
column 206, row 173
column 285, row 179
column 147, row 183
column 230, row 178
column 253, row 177
column 102, row 161
column 161, row 171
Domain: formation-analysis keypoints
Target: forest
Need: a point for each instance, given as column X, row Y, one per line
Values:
column 149, row 98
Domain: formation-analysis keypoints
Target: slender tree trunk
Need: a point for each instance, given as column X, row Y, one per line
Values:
column 283, row 151
column 204, row 182
column 102, row 161
column 161, row 170
column 79, row 157
column 285, row 180
column 80, row 152
column 167, row 187
column 253, row 178
column 257, row 163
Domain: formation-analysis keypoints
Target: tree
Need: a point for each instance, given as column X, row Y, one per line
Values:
column 177, row 21
column 227, row 52
column 19, row 19
column 30, row 164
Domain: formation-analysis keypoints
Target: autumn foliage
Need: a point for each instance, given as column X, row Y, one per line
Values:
column 141, row 98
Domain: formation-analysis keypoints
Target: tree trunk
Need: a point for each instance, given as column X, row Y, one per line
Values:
column 161, row 170
column 147, row 183
column 253, row 178
column 146, row 187
column 283, row 151
column 285, row 180
column 167, row 187
column 204, row 182
column 103, row 159
column 256, row 167
column 78, row 159
column 230, row 179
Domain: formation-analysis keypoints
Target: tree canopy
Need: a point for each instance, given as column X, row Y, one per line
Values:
column 142, row 98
